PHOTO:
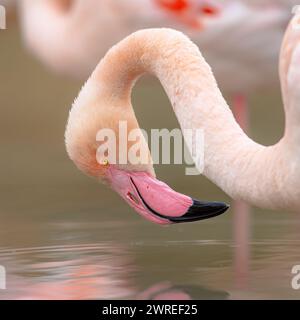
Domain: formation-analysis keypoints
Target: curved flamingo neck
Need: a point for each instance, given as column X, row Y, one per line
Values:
column 241, row 167
column 181, row 69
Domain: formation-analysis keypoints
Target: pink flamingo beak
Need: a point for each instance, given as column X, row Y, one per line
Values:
column 157, row 202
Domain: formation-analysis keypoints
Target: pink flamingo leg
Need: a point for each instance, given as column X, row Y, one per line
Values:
column 241, row 209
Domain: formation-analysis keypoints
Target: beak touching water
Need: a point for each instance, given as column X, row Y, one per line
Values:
column 157, row 202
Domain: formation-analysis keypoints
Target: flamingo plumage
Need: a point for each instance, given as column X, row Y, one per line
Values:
column 264, row 176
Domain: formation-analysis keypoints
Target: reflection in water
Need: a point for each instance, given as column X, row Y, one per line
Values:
column 47, row 259
column 94, row 271
column 114, row 270
column 68, row 272
column 241, row 240
column 167, row 291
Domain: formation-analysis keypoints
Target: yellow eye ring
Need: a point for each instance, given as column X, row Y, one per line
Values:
column 105, row 162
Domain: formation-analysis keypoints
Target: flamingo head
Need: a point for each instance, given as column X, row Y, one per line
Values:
column 156, row 201
column 104, row 140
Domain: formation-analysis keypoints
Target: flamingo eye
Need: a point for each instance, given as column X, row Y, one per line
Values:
column 105, row 162
column 132, row 197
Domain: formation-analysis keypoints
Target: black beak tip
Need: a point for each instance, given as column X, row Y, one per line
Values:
column 201, row 210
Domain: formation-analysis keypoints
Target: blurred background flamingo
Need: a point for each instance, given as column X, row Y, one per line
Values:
column 71, row 36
